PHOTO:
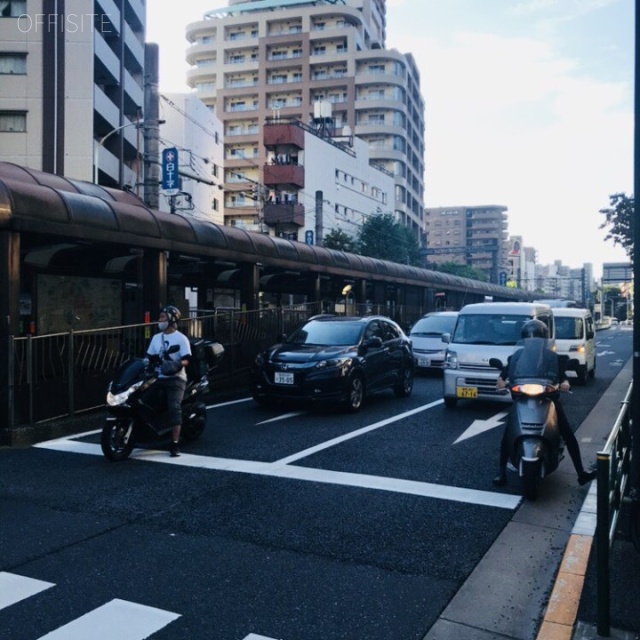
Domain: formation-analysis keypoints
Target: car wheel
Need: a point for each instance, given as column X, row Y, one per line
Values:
column 592, row 373
column 405, row 385
column 450, row 403
column 355, row 393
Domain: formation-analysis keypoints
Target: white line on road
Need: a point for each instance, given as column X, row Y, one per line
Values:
column 284, row 416
column 14, row 588
column 116, row 619
column 253, row 636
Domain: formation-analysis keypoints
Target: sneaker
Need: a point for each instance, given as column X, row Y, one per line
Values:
column 174, row 452
column 586, row 476
column 501, row 479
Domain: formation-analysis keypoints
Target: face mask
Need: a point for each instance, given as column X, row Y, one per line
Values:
column 163, row 326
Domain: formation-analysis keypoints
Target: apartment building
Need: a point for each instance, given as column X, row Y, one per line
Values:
column 475, row 236
column 71, row 87
column 267, row 59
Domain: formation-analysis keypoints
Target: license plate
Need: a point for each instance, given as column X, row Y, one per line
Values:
column 424, row 362
column 283, row 378
column 467, row 392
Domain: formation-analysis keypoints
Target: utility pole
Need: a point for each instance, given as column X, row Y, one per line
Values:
column 319, row 218
column 152, row 127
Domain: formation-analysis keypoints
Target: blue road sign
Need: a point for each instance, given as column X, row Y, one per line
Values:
column 503, row 278
column 308, row 237
column 170, row 179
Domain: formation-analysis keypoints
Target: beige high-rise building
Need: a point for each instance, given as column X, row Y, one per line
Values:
column 323, row 64
column 475, row 236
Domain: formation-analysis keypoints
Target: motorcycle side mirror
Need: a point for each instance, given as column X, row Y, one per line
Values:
column 496, row 363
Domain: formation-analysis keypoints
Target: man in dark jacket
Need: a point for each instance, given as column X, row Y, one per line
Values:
column 551, row 366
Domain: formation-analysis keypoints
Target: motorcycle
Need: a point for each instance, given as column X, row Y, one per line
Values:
column 534, row 441
column 135, row 405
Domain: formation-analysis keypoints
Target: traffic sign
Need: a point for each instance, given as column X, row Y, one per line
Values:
column 308, row 237
column 170, row 179
column 503, row 278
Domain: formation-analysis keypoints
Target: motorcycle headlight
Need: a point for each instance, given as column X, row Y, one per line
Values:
column 450, row 359
column 332, row 363
column 116, row 399
column 529, row 389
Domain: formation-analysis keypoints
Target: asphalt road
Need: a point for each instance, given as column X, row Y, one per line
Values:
column 275, row 525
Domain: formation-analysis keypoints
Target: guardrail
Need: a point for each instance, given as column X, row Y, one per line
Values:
column 613, row 473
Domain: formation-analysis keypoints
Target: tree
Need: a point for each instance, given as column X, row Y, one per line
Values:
column 462, row 270
column 619, row 221
column 339, row 240
column 382, row 237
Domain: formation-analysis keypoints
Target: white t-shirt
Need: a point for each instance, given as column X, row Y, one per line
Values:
column 162, row 342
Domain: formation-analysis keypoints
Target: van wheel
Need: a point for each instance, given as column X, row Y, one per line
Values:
column 450, row 403
column 592, row 373
column 582, row 375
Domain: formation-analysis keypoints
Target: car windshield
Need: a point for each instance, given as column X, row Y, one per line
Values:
column 329, row 334
column 489, row 329
column 434, row 326
column 569, row 328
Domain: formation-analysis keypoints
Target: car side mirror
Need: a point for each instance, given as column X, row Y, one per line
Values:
column 446, row 337
column 375, row 342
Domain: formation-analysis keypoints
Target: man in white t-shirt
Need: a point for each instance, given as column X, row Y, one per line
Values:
column 172, row 376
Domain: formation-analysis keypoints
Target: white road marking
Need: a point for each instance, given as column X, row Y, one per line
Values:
column 14, row 588
column 227, row 404
column 284, row 416
column 253, row 636
column 480, row 426
column 354, row 434
column 116, row 619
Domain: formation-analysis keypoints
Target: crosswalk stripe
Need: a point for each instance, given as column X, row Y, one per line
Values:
column 253, row 636
column 14, row 588
column 116, row 619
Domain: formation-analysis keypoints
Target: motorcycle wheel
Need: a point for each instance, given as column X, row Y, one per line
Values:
column 116, row 440
column 530, row 480
column 194, row 427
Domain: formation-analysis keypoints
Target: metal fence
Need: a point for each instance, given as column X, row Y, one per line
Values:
column 59, row 374
column 613, row 472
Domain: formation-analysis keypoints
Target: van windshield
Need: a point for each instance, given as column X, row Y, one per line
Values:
column 489, row 329
column 569, row 328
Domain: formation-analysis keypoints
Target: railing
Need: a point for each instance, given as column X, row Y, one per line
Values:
column 60, row 374
column 613, row 473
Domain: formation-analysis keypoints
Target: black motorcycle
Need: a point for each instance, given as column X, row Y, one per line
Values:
column 535, row 444
column 135, row 404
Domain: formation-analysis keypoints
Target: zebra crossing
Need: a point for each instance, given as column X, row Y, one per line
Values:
column 115, row 619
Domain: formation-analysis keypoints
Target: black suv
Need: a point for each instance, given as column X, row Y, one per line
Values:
column 336, row 358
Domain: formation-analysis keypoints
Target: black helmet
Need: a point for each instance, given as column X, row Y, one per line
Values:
column 173, row 314
column 534, row 329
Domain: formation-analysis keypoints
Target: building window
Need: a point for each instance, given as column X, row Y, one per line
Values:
column 15, row 121
column 13, row 63
column 12, row 8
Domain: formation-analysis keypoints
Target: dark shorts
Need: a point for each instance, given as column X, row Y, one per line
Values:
column 173, row 389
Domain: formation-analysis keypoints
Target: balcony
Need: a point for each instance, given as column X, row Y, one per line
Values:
column 284, row 175
column 283, row 134
column 274, row 214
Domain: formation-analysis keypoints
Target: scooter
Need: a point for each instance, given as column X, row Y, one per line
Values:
column 534, row 441
column 135, row 405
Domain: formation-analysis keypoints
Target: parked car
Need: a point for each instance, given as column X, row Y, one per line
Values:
column 337, row 359
column 426, row 338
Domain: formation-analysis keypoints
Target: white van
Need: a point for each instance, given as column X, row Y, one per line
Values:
column 486, row 330
column 576, row 338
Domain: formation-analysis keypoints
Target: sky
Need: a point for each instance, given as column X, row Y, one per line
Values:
column 528, row 104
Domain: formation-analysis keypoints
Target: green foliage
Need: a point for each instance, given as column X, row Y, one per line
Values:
column 462, row 270
column 384, row 238
column 619, row 221
column 339, row 240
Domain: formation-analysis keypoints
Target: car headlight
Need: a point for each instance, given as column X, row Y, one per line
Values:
column 577, row 348
column 332, row 363
column 450, row 359
column 116, row 399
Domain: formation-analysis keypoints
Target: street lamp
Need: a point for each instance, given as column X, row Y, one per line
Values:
column 96, row 148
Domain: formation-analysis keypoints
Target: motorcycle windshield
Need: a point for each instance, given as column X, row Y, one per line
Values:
column 129, row 372
column 534, row 360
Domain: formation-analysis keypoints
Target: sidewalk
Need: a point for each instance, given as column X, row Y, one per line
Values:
column 537, row 581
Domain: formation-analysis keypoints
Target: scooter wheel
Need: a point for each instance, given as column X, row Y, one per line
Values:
column 530, row 480
column 193, row 427
column 116, row 440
